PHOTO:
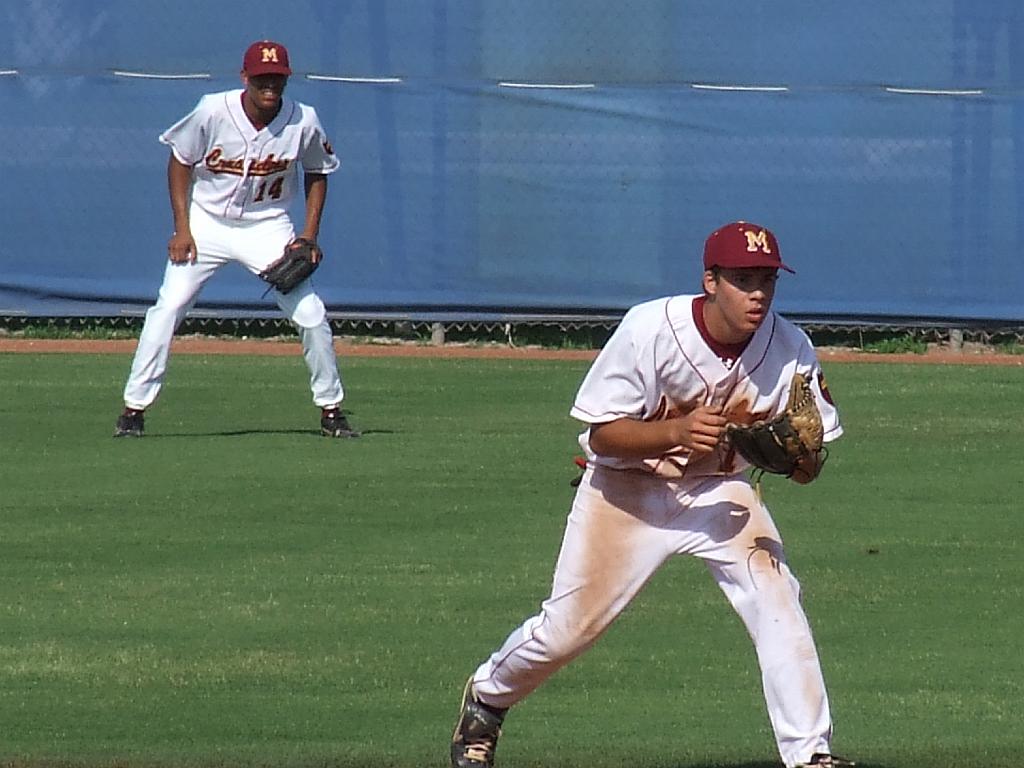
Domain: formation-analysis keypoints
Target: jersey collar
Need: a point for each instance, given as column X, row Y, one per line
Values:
column 245, row 126
column 710, row 359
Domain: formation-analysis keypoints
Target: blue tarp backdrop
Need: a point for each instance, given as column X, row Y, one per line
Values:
column 535, row 156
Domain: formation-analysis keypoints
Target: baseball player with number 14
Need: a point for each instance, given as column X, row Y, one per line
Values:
column 232, row 174
column 663, row 479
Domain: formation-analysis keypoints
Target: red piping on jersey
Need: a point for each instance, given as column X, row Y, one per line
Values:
column 730, row 352
column 679, row 344
column 696, row 307
column 755, row 366
column 715, row 346
column 767, row 346
column 707, row 389
column 227, row 105
column 231, row 117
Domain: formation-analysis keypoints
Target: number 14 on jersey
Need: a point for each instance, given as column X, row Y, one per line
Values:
column 273, row 191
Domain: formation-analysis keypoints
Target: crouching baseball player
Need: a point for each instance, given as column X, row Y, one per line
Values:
column 661, row 479
column 232, row 174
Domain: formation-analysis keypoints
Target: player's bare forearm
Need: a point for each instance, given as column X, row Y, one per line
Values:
column 315, row 185
column 631, row 439
column 179, row 183
column 699, row 431
column 182, row 247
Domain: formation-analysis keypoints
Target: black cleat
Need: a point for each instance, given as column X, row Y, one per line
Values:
column 130, row 423
column 823, row 760
column 334, row 424
column 476, row 733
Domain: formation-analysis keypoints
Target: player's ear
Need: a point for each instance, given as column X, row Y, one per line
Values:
column 244, row 77
column 710, row 282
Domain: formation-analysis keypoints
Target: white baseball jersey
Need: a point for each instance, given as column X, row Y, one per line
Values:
column 624, row 525
column 243, row 173
column 657, row 365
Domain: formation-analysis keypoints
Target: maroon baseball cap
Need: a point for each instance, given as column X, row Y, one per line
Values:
column 742, row 244
column 266, row 58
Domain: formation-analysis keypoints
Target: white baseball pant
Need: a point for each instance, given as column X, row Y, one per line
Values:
column 255, row 245
column 622, row 527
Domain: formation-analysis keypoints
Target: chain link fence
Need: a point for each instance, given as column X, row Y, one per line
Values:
column 514, row 331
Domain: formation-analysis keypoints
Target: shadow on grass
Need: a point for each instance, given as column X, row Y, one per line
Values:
column 758, row 764
column 373, row 763
column 243, row 432
column 691, row 764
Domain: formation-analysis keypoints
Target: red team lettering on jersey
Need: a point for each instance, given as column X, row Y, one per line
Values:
column 217, row 163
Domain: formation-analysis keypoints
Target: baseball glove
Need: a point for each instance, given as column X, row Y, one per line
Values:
column 300, row 259
column 777, row 445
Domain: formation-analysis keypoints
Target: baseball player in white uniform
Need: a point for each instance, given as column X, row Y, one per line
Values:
column 660, row 481
column 233, row 171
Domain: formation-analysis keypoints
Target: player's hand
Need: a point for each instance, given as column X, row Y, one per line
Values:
column 181, row 249
column 701, row 429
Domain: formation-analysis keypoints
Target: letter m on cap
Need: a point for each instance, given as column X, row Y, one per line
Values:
column 757, row 241
column 269, row 54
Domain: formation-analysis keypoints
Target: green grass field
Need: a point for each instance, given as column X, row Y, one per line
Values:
column 234, row 590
